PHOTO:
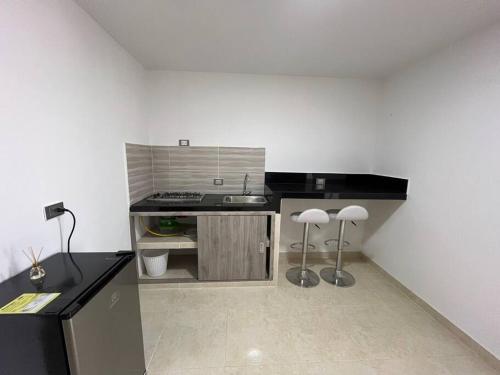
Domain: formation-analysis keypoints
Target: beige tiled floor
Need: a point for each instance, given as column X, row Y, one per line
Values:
column 371, row 328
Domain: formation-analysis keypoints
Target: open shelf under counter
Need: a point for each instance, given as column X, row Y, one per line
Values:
column 180, row 268
column 151, row 242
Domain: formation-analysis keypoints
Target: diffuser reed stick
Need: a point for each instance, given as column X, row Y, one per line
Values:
column 34, row 259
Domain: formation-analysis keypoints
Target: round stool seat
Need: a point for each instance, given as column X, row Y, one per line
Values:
column 352, row 213
column 311, row 216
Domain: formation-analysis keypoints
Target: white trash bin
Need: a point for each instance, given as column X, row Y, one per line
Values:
column 155, row 262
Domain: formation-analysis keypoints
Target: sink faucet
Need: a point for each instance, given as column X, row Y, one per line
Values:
column 245, row 183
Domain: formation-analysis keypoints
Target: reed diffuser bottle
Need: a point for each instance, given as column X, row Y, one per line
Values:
column 37, row 272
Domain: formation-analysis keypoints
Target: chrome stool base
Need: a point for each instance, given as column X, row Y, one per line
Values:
column 304, row 279
column 339, row 278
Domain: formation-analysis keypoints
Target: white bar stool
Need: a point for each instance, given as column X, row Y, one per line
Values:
column 337, row 275
column 302, row 276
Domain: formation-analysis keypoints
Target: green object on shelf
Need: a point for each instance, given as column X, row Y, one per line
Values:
column 168, row 223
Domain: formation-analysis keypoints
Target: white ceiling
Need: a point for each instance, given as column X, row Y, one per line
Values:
column 354, row 38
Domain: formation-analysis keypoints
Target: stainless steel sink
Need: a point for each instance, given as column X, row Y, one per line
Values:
column 244, row 199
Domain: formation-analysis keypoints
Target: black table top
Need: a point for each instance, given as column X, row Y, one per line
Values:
column 73, row 275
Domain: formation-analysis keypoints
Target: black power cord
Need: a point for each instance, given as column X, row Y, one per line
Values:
column 73, row 228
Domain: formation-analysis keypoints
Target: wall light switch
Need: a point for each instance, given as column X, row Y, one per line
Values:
column 218, row 181
column 183, row 142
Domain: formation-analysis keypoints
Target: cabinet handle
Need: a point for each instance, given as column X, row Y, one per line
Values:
column 262, row 248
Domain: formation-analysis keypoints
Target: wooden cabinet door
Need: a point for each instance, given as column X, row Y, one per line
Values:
column 232, row 247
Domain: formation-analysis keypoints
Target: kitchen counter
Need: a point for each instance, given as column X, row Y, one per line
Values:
column 337, row 186
column 185, row 264
column 210, row 203
column 286, row 185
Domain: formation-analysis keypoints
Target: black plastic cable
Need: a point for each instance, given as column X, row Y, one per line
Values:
column 72, row 229
column 76, row 266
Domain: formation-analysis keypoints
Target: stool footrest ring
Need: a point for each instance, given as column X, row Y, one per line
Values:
column 298, row 246
column 336, row 240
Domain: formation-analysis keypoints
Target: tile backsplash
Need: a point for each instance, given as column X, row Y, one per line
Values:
column 176, row 168
column 139, row 171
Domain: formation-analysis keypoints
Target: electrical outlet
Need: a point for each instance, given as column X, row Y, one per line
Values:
column 183, row 142
column 51, row 211
column 218, row 181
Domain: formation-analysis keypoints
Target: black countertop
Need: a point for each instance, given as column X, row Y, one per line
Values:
column 337, row 186
column 210, row 202
column 281, row 185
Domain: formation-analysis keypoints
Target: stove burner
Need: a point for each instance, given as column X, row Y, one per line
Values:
column 176, row 196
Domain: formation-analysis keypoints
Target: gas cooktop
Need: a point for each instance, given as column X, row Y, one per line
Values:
column 176, row 196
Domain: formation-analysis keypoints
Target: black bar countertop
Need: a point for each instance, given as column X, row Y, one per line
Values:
column 283, row 185
column 337, row 186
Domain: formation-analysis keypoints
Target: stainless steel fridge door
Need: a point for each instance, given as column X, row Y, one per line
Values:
column 105, row 336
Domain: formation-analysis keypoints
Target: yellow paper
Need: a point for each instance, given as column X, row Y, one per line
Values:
column 29, row 303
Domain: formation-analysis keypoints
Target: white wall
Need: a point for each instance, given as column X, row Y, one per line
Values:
column 441, row 127
column 305, row 123
column 69, row 98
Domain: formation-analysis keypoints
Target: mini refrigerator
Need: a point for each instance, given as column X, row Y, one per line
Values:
column 92, row 328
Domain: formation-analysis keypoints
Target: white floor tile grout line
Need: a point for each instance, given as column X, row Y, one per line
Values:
column 155, row 347
column 226, row 337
